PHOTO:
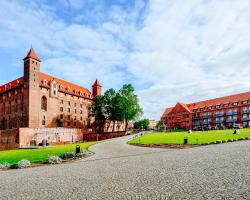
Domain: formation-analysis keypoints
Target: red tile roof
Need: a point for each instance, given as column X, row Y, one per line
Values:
column 96, row 83
column 11, row 85
column 213, row 102
column 64, row 85
column 167, row 111
column 32, row 54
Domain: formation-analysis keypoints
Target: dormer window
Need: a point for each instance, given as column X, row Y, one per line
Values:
column 235, row 103
column 45, row 82
column 226, row 105
column 17, row 82
column 244, row 102
column 68, row 89
column 217, row 106
column 60, row 87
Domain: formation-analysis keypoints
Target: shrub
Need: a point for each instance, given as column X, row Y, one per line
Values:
column 224, row 141
column 246, row 138
column 213, row 143
column 4, row 165
column 218, row 141
column 23, row 164
column 241, row 139
column 67, row 155
column 54, row 160
column 234, row 140
column 230, row 140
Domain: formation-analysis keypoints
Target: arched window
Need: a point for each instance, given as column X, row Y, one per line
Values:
column 44, row 103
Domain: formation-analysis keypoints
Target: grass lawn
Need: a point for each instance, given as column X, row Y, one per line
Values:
column 196, row 137
column 39, row 155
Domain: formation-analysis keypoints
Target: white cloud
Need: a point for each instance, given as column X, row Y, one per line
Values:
column 191, row 51
column 173, row 50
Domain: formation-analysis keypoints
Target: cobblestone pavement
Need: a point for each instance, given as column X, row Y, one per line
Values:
column 120, row 171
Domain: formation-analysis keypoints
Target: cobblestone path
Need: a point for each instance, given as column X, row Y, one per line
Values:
column 120, row 171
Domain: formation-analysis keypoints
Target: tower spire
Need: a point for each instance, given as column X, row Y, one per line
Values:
column 32, row 54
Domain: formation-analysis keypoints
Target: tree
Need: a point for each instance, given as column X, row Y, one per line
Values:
column 98, row 110
column 131, row 109
column 159, row 125
column 142, row 124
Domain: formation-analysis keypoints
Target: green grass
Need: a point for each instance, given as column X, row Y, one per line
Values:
column 196, row 137
column 39, row 155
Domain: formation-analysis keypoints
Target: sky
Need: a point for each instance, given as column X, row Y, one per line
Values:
column 170, row 50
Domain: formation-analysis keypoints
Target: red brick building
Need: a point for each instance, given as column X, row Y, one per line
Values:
column 224, row 112
column 39, row 100
column 33, row 106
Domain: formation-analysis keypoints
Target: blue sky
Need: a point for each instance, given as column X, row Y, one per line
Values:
column 171, row 50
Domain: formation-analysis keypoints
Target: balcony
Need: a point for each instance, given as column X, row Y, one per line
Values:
column 245, row 119
column 231, row 120
column 219, row 121
column 245, row 111
column 219, row 114
column 196, row 117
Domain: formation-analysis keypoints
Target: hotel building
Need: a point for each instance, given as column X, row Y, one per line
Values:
column 224, row 112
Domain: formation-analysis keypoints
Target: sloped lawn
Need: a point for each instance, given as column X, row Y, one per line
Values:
column 39, row 155
column 195, row 138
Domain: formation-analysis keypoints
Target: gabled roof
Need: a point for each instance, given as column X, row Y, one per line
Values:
column 221, row 100
column 73, row 89
column 32, row 54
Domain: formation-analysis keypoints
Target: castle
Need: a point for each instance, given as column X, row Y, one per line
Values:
column 32, row 108
column 39, row 100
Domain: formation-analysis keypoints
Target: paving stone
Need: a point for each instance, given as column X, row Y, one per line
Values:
column 121, row 171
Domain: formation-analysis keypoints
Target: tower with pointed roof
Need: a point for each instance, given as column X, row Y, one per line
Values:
column 96, row 88
column 31, row 89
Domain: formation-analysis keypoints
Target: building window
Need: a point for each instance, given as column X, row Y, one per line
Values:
column 68, row 103
column 245, row 102
column 235, row 103
column 61, row 109
column 61, row 116
column 61, row 102
column 69, row 110
column 75, row 104
column 226, row 105
column 75, row 111
column 217, row 106
column 44, row 103
column 209, row 107
column 43, row 122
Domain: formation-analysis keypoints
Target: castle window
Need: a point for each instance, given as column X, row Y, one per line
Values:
column 54, row 89
column 43, row 122
column 44, row 103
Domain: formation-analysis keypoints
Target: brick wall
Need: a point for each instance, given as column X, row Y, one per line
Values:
column 9, row 139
